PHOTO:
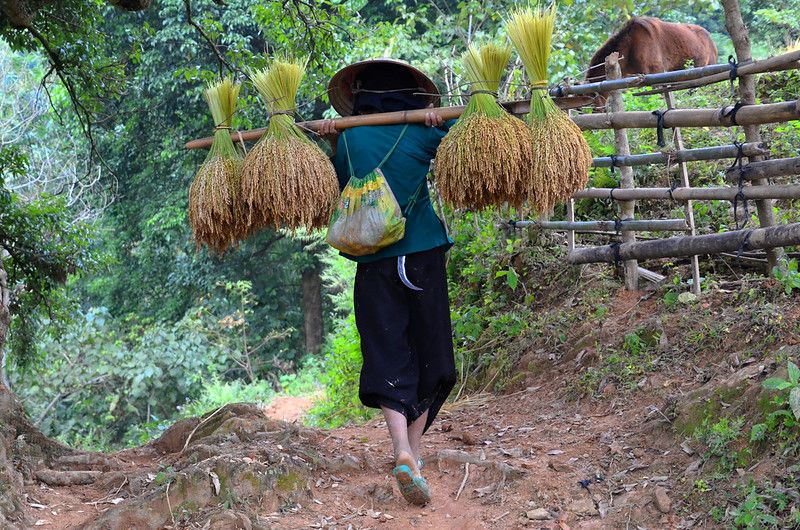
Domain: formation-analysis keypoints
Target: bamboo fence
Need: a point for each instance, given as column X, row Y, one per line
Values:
column 751, row 178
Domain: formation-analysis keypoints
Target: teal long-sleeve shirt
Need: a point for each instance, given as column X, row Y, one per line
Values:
column 405, row 170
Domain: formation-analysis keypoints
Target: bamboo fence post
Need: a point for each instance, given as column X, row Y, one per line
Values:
column 677, row 139
column 747, row 95
column 718, row 117
column 647, row 225
column 627, row 209
column 786, row 61
column 571, row 219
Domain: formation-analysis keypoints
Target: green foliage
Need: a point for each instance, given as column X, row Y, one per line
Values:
column 216, row 393
column 788, row 275
column 754, row 513
column 781, row 422
column 305, row 381
column 766, row 504
column 719, row 438
column 340, row 375
column 623, row 366
column 107, row 378
column 44, row 248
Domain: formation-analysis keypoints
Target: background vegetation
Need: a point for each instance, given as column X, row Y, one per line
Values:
column 148, row 329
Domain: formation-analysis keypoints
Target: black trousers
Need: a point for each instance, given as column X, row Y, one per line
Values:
column 406, row 335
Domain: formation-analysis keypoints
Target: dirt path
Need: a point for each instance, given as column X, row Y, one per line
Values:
column 493, row 462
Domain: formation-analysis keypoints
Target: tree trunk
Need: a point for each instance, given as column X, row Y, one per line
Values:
column 747, row 94
column 312, row 309
column 22, row 446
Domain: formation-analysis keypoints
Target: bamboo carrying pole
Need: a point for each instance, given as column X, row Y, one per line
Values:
column 518, row 108
column 758, row 171
column 786, row 61
column 788, row 192
column 673, row 247
column 649, row 225
column 681, row 155
column 747, row 95
column 747, row 115
column 627, row 209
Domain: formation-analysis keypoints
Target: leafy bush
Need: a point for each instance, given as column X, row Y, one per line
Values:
column 340, row 374
column 783, row 420
column 105, row 378
column 788, row 276
column 216, row 393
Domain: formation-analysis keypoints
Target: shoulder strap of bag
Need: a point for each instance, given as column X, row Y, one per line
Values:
column 391, row 151
column 347, row 154
column 415, row 196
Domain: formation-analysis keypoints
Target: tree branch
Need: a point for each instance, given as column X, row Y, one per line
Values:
column 223, row 63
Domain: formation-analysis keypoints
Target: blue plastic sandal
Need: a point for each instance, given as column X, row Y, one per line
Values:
column 414, row 489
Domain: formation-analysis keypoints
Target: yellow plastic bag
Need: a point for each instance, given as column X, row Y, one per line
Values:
column 368, row 217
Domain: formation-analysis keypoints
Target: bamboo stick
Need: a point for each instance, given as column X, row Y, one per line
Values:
column 518, row 108
column 627, row 209
column 747, row 115
column 754, row 114
column 756, row 238
column 639, row 80
column 682, row 155
column 571, row 219
column 647, row 225
column 765, row 169
column 651, row 276
column 786, row 61
column 677, row 139
column 787, row 192
column 747, row 95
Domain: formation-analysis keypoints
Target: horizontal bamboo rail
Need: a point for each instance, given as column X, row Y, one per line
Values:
column 747, row 115
column 638, row 80
column 756, row 238
column 786, row 61
column 779, row 167
column 692, row 194
column 665, row 225
column 684, row 155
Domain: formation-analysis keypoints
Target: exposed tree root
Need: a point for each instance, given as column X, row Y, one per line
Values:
column 67, row 478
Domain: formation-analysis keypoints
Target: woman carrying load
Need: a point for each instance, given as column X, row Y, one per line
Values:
column 400, row 296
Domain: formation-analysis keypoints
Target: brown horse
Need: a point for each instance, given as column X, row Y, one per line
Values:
column 649, row 45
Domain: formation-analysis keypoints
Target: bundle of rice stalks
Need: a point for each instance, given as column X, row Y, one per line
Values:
column 486, row 157
column 215, row 204
column 562, row 161
column 287, row 180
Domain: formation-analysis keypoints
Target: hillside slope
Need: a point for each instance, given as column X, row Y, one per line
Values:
column 638, row 416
